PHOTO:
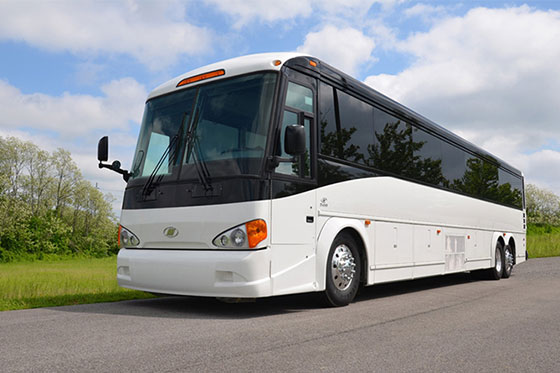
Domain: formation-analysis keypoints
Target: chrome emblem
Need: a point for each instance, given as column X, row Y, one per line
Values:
column 170, row 232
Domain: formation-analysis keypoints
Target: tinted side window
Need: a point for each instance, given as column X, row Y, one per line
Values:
column 427, row 157
column 480, row 179
column 510, row 189
column 329, row 139
column 356, row 128
column 453, row 165
column 392, row 148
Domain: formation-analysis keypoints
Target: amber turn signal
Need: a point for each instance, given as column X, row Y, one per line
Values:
column 256, row 232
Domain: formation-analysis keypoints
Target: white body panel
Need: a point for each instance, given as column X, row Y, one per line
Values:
column 415, row 231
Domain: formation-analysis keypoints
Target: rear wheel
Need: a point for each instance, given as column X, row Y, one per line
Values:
column 496, row 272
column 343, row 271
column 508, row 261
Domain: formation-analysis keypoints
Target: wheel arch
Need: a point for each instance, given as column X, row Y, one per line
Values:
column 331, row 229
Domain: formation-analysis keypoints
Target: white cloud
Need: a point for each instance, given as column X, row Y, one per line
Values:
column 492, row 69
column 246, row 11
column 424, row 11
column 154, row 33
column 538, row 166
column 73, row 115
column 345, row 48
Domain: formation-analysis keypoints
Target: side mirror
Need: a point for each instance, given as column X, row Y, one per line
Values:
column 103, row 149
column 294, row 140
column 103, row 156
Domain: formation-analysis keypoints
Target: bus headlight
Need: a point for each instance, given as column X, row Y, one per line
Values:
column 244, row 236
column 127, row 238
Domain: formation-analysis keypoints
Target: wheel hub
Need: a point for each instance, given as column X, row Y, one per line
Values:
column 509, row 260
column 343, row 267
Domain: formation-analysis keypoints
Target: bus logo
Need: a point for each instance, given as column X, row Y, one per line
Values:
column 170, row 232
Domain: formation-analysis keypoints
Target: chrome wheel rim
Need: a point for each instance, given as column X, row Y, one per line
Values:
column 498, row 260
column 509, row 260
column 343, row 267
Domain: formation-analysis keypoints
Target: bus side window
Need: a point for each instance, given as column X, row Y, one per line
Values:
column 298, row 98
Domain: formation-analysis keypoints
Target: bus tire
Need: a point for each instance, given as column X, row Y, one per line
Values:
column 343, row 271
column 508, row 261
column 497, row 270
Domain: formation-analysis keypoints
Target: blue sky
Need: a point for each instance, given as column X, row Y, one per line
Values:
column 72, row 71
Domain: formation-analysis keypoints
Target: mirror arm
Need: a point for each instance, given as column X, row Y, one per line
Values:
column 274, row 161
column 116, row 166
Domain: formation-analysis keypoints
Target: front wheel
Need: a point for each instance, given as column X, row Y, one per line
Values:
column 343, row 271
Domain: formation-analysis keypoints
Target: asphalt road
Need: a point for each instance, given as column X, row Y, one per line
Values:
column 445, row 324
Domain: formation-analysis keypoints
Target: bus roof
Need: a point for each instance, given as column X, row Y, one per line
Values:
column 234, row 66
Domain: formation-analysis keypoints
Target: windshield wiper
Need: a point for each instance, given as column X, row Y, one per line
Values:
column 201, row 168
column 193, row 147
column 170, row 151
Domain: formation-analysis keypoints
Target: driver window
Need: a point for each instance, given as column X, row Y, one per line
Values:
column 298, row 98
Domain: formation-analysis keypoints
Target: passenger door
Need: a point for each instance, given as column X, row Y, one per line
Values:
column 293, row 189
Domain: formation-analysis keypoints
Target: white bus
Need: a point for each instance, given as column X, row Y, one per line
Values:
column 276, row 174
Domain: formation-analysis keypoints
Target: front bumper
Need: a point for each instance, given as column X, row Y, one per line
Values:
column 213, row 273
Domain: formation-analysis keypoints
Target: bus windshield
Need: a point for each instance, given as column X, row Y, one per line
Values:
column 220, row 127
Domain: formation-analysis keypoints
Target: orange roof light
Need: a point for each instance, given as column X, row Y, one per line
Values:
column 256, row 232
column 200, row 77
column 313, row 63
column 276, row 62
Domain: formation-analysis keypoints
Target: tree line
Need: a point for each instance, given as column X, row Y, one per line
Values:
column 47, row 208
column 543, row 206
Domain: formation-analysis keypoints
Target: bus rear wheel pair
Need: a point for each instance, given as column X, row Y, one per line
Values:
column 503, row 263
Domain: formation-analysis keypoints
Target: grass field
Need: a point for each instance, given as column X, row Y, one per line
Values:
column 543, row 245
column 59, row 283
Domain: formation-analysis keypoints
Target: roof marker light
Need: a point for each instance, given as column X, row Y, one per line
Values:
column 200, row 77
column 313, row 63
column 276, row 62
